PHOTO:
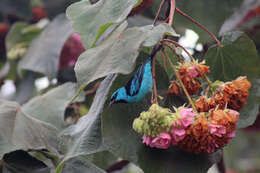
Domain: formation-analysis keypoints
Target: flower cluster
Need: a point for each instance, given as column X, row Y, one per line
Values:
column 230, row 94
column 210, row 132
column 206, row 127
column 190, row 73
column 190, row 131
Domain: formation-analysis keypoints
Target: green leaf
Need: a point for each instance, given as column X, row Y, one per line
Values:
column 120, row 139
column 19, row 8
column 117, row 54
column 90, row 21
column 84, row 137
column 21, row 131
column 157, row 32
column 44, row 52
column 237, row 57
column 80, row 165
column 250, row 112
column 50, row 107
column 21, row 161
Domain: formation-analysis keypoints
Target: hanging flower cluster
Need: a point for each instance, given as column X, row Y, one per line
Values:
column 208, row 126
column 192, row 132
column 190, row 73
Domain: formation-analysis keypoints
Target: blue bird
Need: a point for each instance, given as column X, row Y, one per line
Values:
column 138, row 85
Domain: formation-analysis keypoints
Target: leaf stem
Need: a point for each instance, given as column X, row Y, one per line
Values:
column 207, row 79
column 177, row 44
column 200, row 25
column 179, row 79
column 158, row 12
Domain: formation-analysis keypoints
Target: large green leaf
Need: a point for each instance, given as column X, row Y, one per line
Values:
column 44, row 52
column 50, row 107
column 117, row 54
column 20, row 8
column 90, row 21
column 84, row 137
column 21, row 131
column 21, row 161
column 120, row 139
column 80, row 165
column 237, row 57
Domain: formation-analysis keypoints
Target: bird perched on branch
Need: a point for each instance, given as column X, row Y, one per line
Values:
column 138, row 85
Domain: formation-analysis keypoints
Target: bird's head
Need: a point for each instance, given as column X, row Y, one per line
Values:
column 119, row 96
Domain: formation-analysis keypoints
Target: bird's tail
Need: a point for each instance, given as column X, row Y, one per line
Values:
column 156, row 48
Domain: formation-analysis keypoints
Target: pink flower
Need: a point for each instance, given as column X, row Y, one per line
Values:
column 163, row 141
column 233, row 112
column 192, row 71
column 217, row 130
column 186, row 117
column 146, row 140
column 178, row 135
column 231, row 134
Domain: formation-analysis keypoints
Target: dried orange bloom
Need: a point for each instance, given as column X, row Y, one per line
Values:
column 203, row 69
column 210, row 131
column 233, row 94
column 203, row 104
column 173, row 88
column 192, row 85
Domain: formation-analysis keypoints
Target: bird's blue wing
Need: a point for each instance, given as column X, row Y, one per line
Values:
column 134, row 83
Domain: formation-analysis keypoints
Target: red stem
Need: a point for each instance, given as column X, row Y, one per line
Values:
column 177, row 44
column 158, row 12
column 154, row 80
column 200, row 25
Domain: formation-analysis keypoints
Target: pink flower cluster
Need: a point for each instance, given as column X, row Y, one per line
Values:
column 165, row 140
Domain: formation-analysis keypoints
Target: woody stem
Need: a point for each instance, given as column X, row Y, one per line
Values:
column 180, row 81
column 200, row 25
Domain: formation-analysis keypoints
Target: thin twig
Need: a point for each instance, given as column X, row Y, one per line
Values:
column 173, row 6
column 177, row 44
column 200, row 25
column 179, row 79
column 164, row 63
column 180, row 58
column 154, row 80
column 158, row 12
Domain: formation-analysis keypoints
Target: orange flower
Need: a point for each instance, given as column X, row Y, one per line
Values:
column 204, row 105
column 173, row 89
column 233, row 94
column 210, row 131
column 202, row 69
column 192, row 85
